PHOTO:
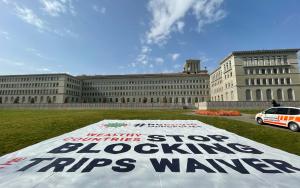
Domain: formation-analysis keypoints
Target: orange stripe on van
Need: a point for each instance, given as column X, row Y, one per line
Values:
column 275, row 123
column 291, row 118
column 297, row 119
column 285, row 118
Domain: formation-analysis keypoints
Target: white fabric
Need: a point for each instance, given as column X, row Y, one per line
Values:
column 195, row 161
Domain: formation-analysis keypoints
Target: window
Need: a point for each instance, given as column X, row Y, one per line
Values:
column 282, row 111
column 247, row 82
column 258, row 81
column 258, row 95
column 248, row 95
column 286, row 70
column 294, row 111
column 290, row 93
column 270, row 81
column 279, row 94
column 271, row 111
column 269, row 94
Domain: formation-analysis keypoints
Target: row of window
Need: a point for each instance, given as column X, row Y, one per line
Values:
column 221, row 97
column 85, row 83
column 29, row 92
column 78, row 82
column 29, row 99
column 29, row 85
column 284, row 111
column 28, row 79
column 153, row 93
column 73, row 86
column 227, row 66
column 70, row 92
column 146, row 100
column 268, row 81
column 270, row 95
column 146, row 87
column 267, row 70
column 265, row 60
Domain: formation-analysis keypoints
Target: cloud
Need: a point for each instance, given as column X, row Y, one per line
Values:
column 174, row 56
column 43, row 69
column 58, row 7
column 11, row 62
column 102, row 10
column 5, row 35
column 143, row 57
column 28, row 16
column 159, row 61
column 168, row 16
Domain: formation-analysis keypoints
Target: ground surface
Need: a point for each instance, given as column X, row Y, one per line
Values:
column 21, row 128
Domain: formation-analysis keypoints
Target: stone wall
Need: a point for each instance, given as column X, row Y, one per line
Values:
column 80, row 106
column 242, row 104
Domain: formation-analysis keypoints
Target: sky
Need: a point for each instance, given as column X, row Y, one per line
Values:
column 138, row 36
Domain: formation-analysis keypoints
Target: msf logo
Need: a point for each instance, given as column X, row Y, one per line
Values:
column 115, row 125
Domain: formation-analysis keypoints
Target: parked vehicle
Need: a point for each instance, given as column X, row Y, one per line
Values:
column 281, row 116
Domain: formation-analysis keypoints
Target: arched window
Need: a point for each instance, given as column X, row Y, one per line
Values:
column 279, row 94
column 196, row 99
column 258, row 95
column 269, row 94
column 248, row 95
column 290, row 94
column 183, row 100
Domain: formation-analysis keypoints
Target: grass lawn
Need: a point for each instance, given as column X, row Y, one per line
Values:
column 21, row 128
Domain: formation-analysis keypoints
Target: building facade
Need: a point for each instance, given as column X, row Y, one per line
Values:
column 188, row 87
column 261, row 75
column 40, row 88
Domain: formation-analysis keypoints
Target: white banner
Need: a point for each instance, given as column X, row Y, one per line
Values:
column 149, row 153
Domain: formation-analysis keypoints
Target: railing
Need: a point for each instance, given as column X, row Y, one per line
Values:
column 98, row 106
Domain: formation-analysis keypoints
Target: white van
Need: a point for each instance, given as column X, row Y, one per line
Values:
column 281, row 116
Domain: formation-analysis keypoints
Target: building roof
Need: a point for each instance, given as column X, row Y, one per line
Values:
column 46, row 74
column 270, row 51
column 85, row 77
column 266, row 51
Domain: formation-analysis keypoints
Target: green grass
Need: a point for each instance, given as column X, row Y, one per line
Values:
column 21, row 128
column 252, row 111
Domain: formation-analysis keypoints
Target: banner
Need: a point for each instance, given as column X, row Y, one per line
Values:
column 149, row 153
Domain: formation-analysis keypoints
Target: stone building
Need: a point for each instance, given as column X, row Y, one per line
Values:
column 190, row 86
column 39, row 88
column 260, row 75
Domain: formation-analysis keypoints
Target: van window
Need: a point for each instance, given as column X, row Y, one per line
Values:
column 294, row 111
column 271, row 111
column 282, row 111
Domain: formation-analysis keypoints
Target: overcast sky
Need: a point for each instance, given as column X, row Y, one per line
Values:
column 135, row 36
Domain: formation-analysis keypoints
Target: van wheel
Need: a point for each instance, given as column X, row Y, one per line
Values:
column 294, row 126
column 260, row 121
